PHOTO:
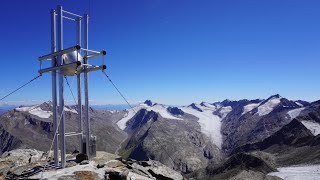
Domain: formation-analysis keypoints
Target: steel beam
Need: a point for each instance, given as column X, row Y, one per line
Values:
column 86, row 90
column 61, row 88
column 59, row 52
column 89, row 56
column 69, row 18
column 94, row 68
column 88, row 50
column 54, row 89
column 74, row 64
column 79, row 91
column 73, row 14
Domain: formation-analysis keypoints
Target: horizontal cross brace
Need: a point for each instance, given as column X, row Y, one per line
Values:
column 94, row 68
column 78, row 63
column 72, row 134
column 73, row 14
column 89, row 56
column 64, row 51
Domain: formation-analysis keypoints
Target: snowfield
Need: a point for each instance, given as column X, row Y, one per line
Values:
column 299, row 104
column 267, row 107
column 294, row 113
column 314, row 127
column 224, row 111
column 37, row 111
column 70, row 110
column 209, row 105
column 162, row 110
column 158, row 108
column 130, row 113
column 210, row 124
column 249, row 107
column 306, row 172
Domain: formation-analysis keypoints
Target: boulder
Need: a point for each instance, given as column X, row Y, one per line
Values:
column 114, row 164
column 86, row 175
column 154, row 169
column 22, row 156
column 134, row 176
column 81, row 157
column 84, row 162
column 100, row 166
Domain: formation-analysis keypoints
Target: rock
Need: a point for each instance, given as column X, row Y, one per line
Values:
column 100, row 166
column 130, row 161
column 114, row 164
column 71, row 164
column 160, row 171
column 84, row 162
column 22, row 156
column 148, row 102
column 136, row 168
column 145, row 163
column 175, row 111
column 67, row 177
column 194, row 106
column 2, row 177
column 154, row 170
column 134, row 176
column 112, row 169
column 119, row 158
column 19, row 170
column 103, row 157
column 86, row 175
column 5, row 167
column 125, row 173
column 115, row 175
column 81, row 157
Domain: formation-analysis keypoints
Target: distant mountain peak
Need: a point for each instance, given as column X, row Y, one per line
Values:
column 226, row 101
column 203, row 103
column 148, row 102
column 275, row 96
column 194, row 106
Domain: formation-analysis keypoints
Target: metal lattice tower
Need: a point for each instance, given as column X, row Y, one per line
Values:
column 72, row 61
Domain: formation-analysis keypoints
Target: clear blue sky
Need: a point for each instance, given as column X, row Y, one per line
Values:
column 174, row 51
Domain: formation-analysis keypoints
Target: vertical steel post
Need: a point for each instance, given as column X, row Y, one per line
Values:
column 79, row 91
column 54, row 88
column 86, row 94
column 61, row 99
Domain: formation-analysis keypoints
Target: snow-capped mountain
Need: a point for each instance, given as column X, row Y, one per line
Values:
column 257, row 120
column 32, row 127
column 151, row 127
column 185, row 138
column 226, row 125
column 293, row 150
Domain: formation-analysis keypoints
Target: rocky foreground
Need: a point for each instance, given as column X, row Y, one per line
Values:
column 30, row 163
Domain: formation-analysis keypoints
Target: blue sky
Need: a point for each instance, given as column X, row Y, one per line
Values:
column 173, row 51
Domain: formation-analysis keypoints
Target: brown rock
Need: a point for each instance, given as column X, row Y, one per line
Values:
column 2, row 177
column 86, row 175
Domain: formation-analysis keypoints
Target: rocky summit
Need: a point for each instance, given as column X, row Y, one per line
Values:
column 32, row 164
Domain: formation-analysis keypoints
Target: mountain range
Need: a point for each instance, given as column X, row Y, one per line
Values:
column 245, row 138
